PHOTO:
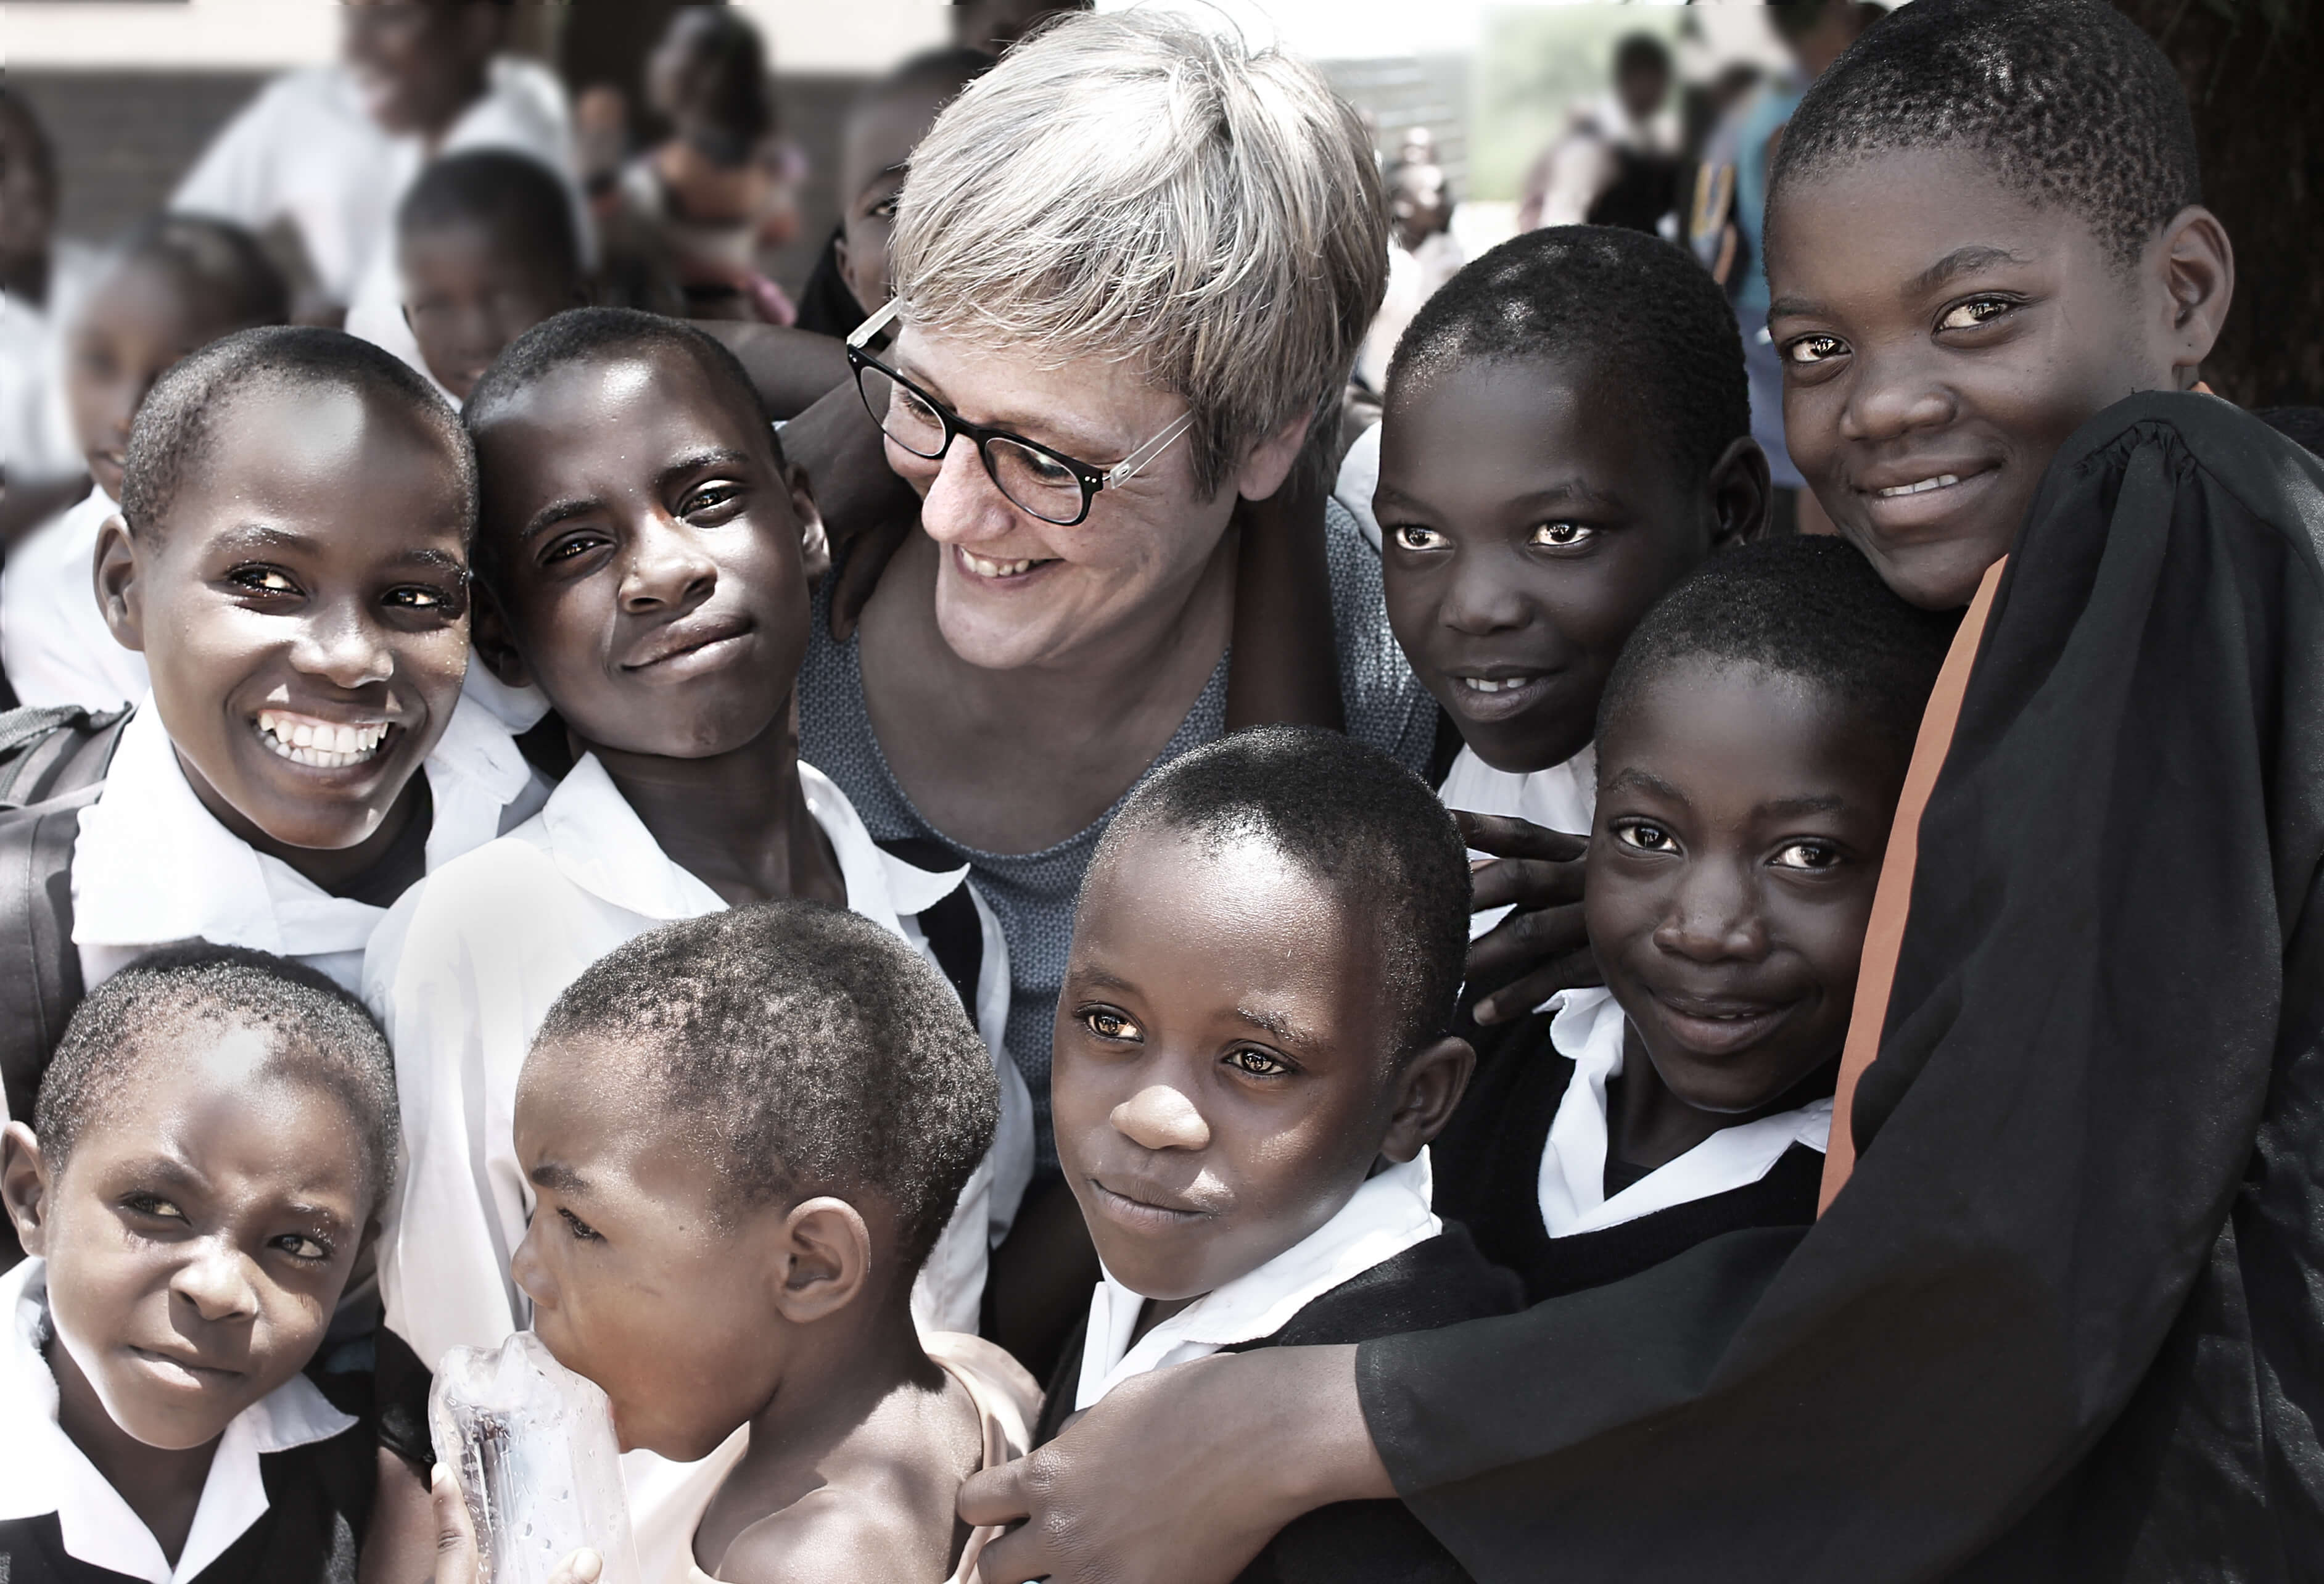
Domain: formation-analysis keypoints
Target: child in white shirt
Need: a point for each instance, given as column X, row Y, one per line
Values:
column 640, row 542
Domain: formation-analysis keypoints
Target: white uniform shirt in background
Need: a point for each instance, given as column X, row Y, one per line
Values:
column 1589, row 1029
column 1389, row 1214
column 306, row 151
column 152, row 866
column 42, row 1471
column 463, row 972
column 36, row 431
column 53, row 639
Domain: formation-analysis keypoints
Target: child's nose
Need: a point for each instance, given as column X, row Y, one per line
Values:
column 344, row 648
column 1158, row 1117
column 1714, row 917
column 217, row 1282
column 525, row 1269
column 1894, row 393
column 1477, row 599
column 667, row 567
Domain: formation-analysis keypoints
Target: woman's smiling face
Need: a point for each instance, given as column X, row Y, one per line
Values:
column 1013, row 590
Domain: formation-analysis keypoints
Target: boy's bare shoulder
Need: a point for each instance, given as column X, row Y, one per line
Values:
column 837, row 1532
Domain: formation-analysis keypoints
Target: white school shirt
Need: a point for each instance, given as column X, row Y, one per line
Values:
column 466, row 969
column 36, row 431
column 306, row 151
column 42, row 1471
column 1589, row 1029
column 53, row 639
column 152, row 866
column 1387, row 1215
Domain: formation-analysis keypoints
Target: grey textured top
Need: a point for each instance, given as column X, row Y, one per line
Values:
column 1033, row 892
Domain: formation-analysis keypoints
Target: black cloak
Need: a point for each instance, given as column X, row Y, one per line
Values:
column 2067, row 1319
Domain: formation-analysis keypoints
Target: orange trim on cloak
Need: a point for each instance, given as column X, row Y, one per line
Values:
column 1884, row 934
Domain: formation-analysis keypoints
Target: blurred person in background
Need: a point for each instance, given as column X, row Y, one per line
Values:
column 40, row 277
column 887, row 120
column 1616, row 162
column 330, row 152
column 993, row 25
column 695, row 215
column 1728, row 216
column 1422, row 254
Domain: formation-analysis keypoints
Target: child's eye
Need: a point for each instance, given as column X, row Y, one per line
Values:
column 1976, row 311
column 1808, row 855
column 570, row 545
column 411, row 597
column 1814, row 349
column 1562, row 535
column 1411, row 536
column 885, row 209
column 1258, row 1063
column 300, row 1246
column 583, row 1232
column 709, row 498
column 153, row 1205
column 1110, row 1025
column 265, row 580
column 1646, row 836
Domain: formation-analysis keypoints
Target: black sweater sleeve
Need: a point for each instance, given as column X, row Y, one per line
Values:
column 2062, row 1324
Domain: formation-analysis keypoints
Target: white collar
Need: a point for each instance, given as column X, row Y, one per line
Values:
column 1591, row 1029
column 599, row 843
column 153, row 865
column 42, row 1471
column 1562, row 797
column 1387, row 1215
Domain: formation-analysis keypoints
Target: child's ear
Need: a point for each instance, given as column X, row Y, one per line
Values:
column 2197, row 264
column 1742, row 495
column 1428, row 1089
column 120, row 586
column 1271, row 460
column 24, row 1186
column 826, row 1259
column 495, row 640
column 815, row 541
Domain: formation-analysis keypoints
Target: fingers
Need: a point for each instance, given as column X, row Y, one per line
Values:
column 995, row 1496
column 1506, row 836
column 1527, row 882
column 1524, row 941
column 582, row 1567
column 455, row 1542
column 1513, row 1001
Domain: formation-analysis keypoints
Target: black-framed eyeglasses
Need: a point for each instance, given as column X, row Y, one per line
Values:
column 1046, row 484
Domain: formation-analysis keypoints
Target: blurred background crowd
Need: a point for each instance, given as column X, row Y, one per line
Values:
column 438, row 176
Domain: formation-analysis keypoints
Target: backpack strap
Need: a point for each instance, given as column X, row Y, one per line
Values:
column 48, row 750
column 40, row 967
column 954, row 933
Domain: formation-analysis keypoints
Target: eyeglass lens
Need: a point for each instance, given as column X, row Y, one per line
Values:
column 1038, row 483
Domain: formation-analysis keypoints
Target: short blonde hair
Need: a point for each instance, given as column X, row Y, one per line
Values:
column 1133, row 185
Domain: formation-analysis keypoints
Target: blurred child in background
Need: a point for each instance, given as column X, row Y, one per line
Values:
column 40, row 277
column 174, row 284
column 487, row 247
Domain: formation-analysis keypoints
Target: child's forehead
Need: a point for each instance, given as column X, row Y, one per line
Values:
column 1917, row 195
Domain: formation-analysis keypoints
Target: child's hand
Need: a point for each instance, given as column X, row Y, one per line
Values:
column 1539, row 871
column 456, row 1561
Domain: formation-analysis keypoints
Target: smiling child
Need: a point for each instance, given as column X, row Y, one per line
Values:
column 640, row 550
column 745, row 1132
column 1751, row 745
column 175, row 283
column 1250, row 1063
column 1567, row 434
column 487, row 247
column 211, row 1149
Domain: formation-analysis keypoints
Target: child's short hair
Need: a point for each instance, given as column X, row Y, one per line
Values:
column 1806, row 606
column 801, row 1046
column 581, row 334
column 1356, row 820
column 2066, row 100
column 1629, row 306
column 517, row 196
column 215, row 260
column 173, row 434
column 316, row 1032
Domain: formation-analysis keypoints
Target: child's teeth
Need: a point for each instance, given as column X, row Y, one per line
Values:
column 320, row 743
column 1937, row 482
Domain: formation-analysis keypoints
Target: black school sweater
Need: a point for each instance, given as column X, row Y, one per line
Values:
column 1488, row 1171
column 1440, row 1282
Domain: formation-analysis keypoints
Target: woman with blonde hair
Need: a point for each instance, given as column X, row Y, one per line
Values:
column 1132, row 266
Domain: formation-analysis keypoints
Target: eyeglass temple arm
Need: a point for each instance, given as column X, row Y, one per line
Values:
column 1127, row 467
column 861, row 335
